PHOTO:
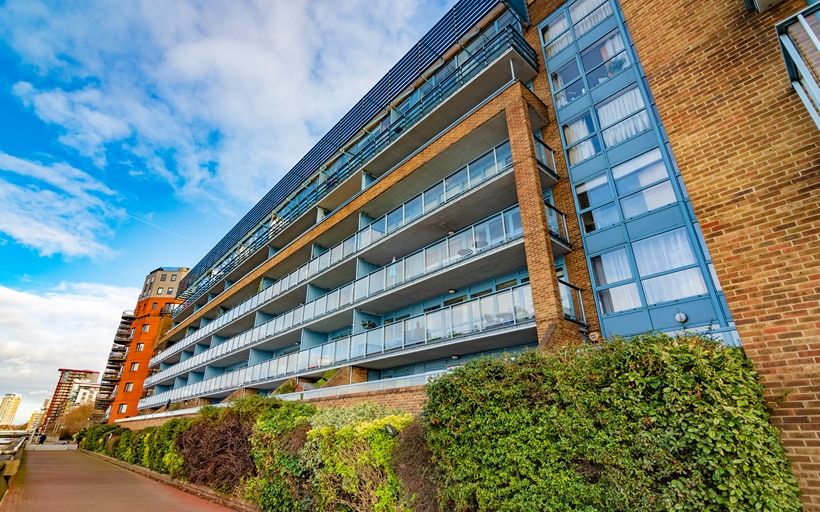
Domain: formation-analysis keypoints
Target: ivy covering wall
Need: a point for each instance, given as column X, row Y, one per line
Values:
column 653, row 423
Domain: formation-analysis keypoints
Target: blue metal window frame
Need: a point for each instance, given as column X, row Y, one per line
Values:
column 800, row 76
column 573, row 51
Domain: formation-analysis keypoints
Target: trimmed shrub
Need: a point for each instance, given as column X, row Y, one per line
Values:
column 653, row 423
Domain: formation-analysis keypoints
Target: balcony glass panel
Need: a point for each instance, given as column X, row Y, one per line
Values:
column 319, row 307
column 434, row 256
column 489, row 233
column 345, row 295
column 413, row 209
column 313, row 267
column 292, row 360
column 307, row 311
column 302, row 362
column 349, row 246
column 413, row 331
column 512, row 223
column 437, row 324
column 414, row 265
column 314, row 357
column 360, row 289
column 378, row 228
column 433, row 196
column 395, row 274
column 363, row 238
column 522, row 303
column 461, row 245
column 506, row 311
column 374, row 341
column 324, row 260
column 358, row 345
column 342, row 349
column 482, row 169
column 395, row 219
column 456, row 183
column 393, row 336
column 332, row 300
column 376, row 283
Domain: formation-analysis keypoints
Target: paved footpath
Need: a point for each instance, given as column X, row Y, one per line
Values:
column 69, row 481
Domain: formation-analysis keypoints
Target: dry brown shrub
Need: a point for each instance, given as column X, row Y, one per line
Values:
column 412, row 460
column 292, row 442
column 218, row 453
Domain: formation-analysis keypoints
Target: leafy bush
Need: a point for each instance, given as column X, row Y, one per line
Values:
column 654, row 423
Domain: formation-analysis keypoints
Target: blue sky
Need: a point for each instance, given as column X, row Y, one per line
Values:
column 134, row 134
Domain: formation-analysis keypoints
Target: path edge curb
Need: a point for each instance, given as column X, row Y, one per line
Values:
column 200, row 491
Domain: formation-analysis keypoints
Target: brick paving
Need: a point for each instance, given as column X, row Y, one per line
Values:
column 68, row 481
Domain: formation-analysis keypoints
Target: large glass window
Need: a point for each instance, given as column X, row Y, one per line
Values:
column 593, row 192
column 586, row 14
column 648, row 199
column 566, row 80
column 604, row 59
column 663, row 252
column 611, row 267
column 639, row 172
column 619, row 298
column 677, row 285
column 556, row 35
column 600, row 218
column 622, row 106
column 575, row 131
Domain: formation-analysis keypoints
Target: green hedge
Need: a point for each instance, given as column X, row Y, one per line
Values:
column 654, row 423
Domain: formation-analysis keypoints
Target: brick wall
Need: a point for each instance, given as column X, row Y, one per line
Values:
column 410, row 399
column 749, row 154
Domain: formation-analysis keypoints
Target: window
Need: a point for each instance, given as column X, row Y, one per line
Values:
column 131, row 336
column 619, row 298
column 129, row 386
column 586, row 14
column 140, row 347
column 173, row 277
column 663, row 252
column 122, row 408
column 162, row 278
column 639, row 172
column 154, row 306
column 556, row 35
column 648, row 199
column 575, row 131
column 604, row 59
column 135, row 367
column 593, row 192
column 678, row 285
column 565, row 80
column 159, row 290
column 145, row 328
column 600, row 218
column 622, row 106
column 611, row 267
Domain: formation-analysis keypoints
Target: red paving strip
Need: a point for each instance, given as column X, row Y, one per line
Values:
column 69, row 481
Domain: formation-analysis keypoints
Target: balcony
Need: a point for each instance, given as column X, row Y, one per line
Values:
column 498, row 320
column 112, row 376
column 401, row 278
column 486, row 71
column 800, row 43
column 485, row 184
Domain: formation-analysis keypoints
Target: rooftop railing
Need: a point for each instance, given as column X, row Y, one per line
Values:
column 490, row 164
column 493, row 312
column 487, row 234
column 507, row 39
column 799, row 38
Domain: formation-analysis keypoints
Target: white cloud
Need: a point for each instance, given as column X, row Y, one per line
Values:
column 217, row 99
column 52, row 208
column 71, row 326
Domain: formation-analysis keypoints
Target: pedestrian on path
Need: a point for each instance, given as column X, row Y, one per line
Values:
column 43, row 438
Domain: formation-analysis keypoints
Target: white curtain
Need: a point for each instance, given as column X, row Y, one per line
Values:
column 648, row 200
column 619, row 298
column 663, row 252
column 679, row 285
column 551, row 31
column 577, row 130
column 582, row 8
column 618, row 108
column 611, row 267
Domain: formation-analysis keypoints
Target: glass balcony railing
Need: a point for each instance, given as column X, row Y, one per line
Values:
column 499, row 310
column 487, row 234
column 572, row 302
column 447, row 85
column 546, row 158
column 800, row 43
column 492, row 163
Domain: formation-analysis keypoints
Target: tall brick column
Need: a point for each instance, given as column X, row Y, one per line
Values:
column 553, row 329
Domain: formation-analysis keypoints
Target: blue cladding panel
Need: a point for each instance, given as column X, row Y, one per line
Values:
column 446, row 32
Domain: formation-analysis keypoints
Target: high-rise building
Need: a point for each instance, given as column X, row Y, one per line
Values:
column 134, row 344
column 537, row 173
column 8, row 408
column 60, row 399
column 38, row 416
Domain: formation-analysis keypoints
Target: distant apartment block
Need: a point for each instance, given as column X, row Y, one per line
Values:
column 60, row 400
column 8, row 408
column 134, row 343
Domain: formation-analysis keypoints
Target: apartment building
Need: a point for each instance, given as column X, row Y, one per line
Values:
column 8, row 408
column 62, row 393
column 134, row 343
column 534, row 174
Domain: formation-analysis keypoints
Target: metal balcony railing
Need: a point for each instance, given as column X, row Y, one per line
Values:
column 545, row 157
column 507, row 39
column 487, row 234
column 490, row 164
column 505, row 309
column 799, row 38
